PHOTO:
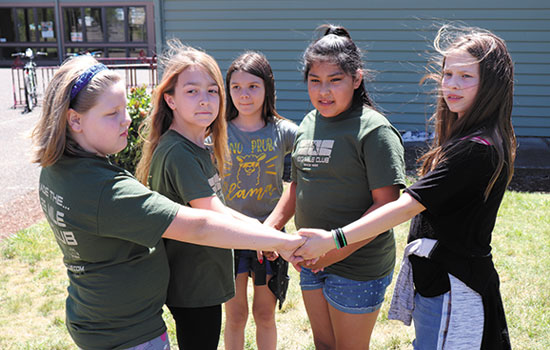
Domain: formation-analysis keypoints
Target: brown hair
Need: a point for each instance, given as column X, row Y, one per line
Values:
column 51, row 136
column 256, row 64
column 490, row 115
column 175, row 60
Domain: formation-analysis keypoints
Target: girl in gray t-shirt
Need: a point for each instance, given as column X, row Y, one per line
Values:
column 259, row 138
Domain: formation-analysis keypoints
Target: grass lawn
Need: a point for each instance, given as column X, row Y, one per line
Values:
column 33, row 286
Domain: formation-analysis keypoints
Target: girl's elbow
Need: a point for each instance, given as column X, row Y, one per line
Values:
column 411, row 206
column 190, row 225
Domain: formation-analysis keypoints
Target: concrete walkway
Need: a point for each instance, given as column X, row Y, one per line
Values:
column 19, row 204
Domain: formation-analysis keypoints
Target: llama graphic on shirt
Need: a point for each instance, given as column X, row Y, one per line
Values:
column 249, row 168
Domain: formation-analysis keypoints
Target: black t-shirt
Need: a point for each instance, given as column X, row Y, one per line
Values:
column 456, row 213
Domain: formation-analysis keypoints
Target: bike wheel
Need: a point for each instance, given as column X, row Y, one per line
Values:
column 34, row 93
column 29, row 98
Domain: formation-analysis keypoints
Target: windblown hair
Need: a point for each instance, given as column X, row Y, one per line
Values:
column 490, row 115
column 51, row 136
column 256, row 64
column 175, row 60
column 337, row 47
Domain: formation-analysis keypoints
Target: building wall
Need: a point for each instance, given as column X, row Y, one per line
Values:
column 395, row 35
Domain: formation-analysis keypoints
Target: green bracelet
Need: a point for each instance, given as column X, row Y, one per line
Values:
column 339, row 238
column 335, row 237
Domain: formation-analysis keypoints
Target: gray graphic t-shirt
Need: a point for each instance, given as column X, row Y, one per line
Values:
column 253, row 184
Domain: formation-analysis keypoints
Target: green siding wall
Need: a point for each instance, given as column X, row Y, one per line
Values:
column 395, row 36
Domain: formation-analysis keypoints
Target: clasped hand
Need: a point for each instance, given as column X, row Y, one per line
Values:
column 308, row 247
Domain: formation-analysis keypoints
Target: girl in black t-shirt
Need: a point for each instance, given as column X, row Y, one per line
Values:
column 454, row 204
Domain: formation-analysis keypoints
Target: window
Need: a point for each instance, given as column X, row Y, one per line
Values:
column 116, row 31
column 73, row 25
column 137, row 52
column 115, row 24
column 92, row 20
column 52, row 53
column 46, row 27
column 22, row 28
column 7, row 25
column 116, row 52
column 6, row 53
column 137, row 24
column 95, row 51
column 28, row 25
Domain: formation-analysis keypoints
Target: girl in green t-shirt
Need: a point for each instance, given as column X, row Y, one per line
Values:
column 107, row 224
column 347, row 161
column 188, row 107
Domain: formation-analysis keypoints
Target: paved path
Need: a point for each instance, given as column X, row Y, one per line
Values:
column 18, row 198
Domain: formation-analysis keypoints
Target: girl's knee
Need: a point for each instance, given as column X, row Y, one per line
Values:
column 264, row 315
column 237, row 316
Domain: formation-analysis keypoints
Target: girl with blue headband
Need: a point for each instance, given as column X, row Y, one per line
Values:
column 108, row 225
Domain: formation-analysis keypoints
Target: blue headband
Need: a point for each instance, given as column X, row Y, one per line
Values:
column 85, row 78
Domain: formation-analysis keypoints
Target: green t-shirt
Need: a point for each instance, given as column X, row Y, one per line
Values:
column 336, row 163
column 199, row 276
column 109, row 228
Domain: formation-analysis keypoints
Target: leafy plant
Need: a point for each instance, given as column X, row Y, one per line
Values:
column 139, row 103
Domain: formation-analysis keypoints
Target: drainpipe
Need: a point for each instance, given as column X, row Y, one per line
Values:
column 159, row 31
column 59, row 32
column 159, row 25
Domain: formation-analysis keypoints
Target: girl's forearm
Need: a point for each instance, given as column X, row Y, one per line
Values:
column 209, row 228
column 215, row 204
column 284, row 210
column 383, row 219
column 381, row 196
column 240, row 216
column 379, row 220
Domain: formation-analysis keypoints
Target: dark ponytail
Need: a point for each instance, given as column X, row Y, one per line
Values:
column 332, row 29
column 336, row 46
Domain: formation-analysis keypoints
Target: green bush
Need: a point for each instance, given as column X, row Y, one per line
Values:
column 139, row 103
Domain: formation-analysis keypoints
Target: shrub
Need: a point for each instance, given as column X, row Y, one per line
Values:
column 139, row 103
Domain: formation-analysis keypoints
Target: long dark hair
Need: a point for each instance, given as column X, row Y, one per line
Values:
column 254, row 63
column 490, row 115
column 336, row 46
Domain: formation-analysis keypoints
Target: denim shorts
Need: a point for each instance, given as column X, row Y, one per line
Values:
column 349, row 296
column 427, row 316
column 248, row 262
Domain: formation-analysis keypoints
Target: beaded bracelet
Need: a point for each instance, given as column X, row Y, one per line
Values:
column 339, row 238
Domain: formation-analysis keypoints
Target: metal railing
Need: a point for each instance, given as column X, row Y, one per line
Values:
column 138, row 71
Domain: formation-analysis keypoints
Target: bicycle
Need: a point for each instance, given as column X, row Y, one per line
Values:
column 29, row 82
